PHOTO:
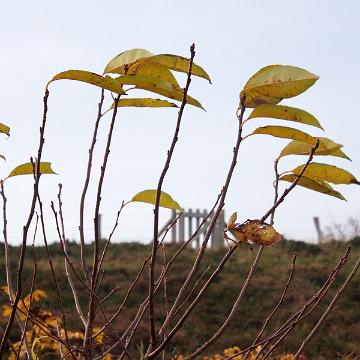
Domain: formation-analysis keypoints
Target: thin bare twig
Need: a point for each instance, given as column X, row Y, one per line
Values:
column 7, row 264
column 271, row 212
column 56, row 283
column 23, row 335
column 67, row 271
column 276, row 307
column 86, row 185
column 109, row 240
column 26, row 227
column 303, row 312
column 223, row 193
column 328, row 310
column 156, row 209
column 233, row 310
column 287, row 191
column 95, row 267
column 187, row 312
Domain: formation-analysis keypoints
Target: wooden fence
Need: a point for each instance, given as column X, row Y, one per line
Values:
column 189, row 222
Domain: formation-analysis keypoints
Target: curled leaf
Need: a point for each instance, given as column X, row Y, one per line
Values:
column 325, row 172
column 255, row 231
column 28, row 169
column 4, row 129
column 149, row 196
column 276, row 82
column 285, row 133
column 104, row 82
column 315, row 185
column 285, row 113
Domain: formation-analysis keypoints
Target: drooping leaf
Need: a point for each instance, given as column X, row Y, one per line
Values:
column 149, row 196
column 144, row 102
column 326, row 147
column 256, row 231
column 116, row 65
column 277, row 82
column 315, row 185
column 329, row 173
column 28, row 169
column 105, row 82
column 178, row 63
column 4, row 129
column 285, row 113
column 285, row 133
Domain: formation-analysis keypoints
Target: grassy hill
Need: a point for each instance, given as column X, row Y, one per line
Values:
column 339, row 335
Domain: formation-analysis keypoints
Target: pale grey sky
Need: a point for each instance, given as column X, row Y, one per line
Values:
column 233, row 40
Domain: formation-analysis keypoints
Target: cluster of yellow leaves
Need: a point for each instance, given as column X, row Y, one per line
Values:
column 263, row 91
column 141, row 70
column 40, row 323
column 252, row 355
column 24, row 303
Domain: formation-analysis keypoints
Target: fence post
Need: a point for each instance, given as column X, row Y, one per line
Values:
column 318, row 230
column 197, row 239
column 173, row 229
column 182, row 228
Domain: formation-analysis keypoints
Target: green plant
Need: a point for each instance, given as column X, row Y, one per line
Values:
column 135, row 70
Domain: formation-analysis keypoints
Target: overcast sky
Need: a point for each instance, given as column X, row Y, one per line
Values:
column 233, row 40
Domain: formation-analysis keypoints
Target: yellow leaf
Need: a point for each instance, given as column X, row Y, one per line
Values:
column 4, row 129
column 151, row 70
column 144, row 102
column 253, row 99
column 329, row 173
column 285, row 133
column 316, row 185
column 149, row 196
column 256, row 231
column 28, row 169
column 285, row 113
column 116, row 65
column 326, row 147
column 142, row 56
column 77, row 335
column 277, row 82
column 38, row 295
column 143, row 81
column 6, row 310
column 105, row 82
column 174, row 93
column 232, row 219
column 178, row 63
column 33, row 353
